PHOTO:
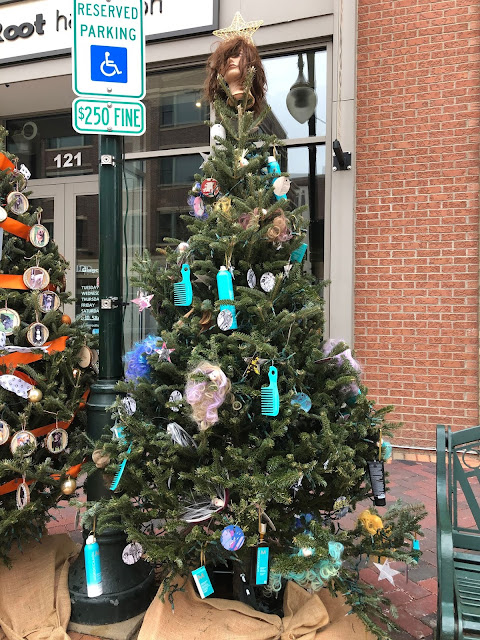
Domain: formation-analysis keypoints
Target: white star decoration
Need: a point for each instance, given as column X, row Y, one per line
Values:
column 206, row 157
column 164, row 353
column 386, row 571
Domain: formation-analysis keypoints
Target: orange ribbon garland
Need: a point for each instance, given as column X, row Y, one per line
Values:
column 16, row 358
column 24, row 377
column 5, row 163
column 12, row 282
column 41, row 431
column 22, row 231
column 8, row 487
column 16, row 228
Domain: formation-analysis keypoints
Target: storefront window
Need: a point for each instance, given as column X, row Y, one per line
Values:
column 282, row 72
column 176, row 112
column 305, row 164
column 50, row 148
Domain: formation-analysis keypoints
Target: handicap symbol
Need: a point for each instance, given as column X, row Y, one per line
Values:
column 108, row 64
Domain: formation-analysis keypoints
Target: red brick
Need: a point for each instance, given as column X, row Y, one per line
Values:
column 399, row 598
column 423, row 606
column 431, row 584
column 414, row 627
column 418, row 104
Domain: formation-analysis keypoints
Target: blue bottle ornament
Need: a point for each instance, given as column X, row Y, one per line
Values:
column 92, row 567
column 225, row 292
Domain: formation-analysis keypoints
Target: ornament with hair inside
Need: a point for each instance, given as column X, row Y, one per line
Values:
column 206, row 390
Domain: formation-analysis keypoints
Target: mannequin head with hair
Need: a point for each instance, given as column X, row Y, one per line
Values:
column 231, row 59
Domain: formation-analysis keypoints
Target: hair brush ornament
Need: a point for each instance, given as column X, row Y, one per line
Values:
column 205, row 397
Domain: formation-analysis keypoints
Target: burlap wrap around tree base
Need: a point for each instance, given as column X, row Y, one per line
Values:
column 34, row 598
column 307, row 617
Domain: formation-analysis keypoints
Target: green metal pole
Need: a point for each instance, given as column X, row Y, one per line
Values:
column 103, row 392
column 111, row 259
column 127, row 589
column 110, row 275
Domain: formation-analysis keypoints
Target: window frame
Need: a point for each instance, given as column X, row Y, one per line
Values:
column 311, row 142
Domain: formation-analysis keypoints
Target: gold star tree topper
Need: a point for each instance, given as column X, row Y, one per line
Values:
column 239, row 28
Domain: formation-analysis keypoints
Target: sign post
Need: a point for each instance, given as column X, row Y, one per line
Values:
column 109, row 76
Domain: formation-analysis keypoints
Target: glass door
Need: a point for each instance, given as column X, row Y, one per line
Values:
column 70, row 212
column 81, row 238
column 48, row 199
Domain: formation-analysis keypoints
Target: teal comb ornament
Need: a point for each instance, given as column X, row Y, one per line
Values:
column 182, row 291
column 270, row 398
column 118, row 475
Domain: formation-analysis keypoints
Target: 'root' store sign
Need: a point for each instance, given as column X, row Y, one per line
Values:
column 31, row 29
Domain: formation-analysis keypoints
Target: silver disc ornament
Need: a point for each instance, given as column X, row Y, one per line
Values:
column 3, row 214
column 251, row 279
column 225, row 320
column 281, row 186
column 175, row 396
column 267, row 281
column 129, row 404
column 132, row 553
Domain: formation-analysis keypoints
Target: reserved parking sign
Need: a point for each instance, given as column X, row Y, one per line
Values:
column 108, row 48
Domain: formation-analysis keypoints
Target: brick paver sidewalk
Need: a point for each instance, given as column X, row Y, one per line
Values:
column 411, row 481
column 415, row 599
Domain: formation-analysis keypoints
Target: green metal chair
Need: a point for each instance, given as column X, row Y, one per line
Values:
column 458, row 546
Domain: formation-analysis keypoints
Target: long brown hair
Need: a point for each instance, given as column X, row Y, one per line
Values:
column 249, row 57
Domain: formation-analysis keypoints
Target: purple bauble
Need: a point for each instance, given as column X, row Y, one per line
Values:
column 232, row 538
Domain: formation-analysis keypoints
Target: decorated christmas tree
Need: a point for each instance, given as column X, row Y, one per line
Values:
column 243, row 436
column 44, row 369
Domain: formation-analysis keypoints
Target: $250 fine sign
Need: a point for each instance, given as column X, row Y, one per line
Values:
column 97, row 115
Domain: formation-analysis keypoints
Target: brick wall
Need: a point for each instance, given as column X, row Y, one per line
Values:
column 417, row 210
